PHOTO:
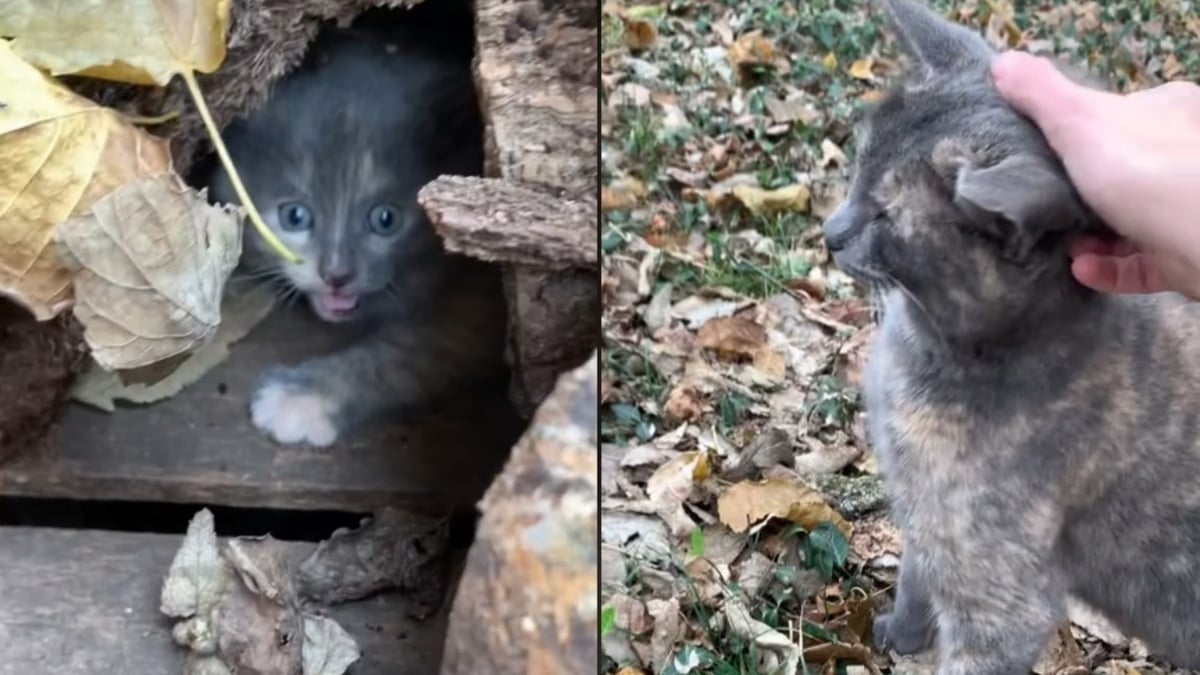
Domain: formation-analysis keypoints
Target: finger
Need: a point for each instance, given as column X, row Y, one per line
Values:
column 1133, row 274
column 1041, row 92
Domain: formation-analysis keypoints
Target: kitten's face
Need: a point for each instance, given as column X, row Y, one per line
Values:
column 955, row 199
column 334, row 161
column 351, row 220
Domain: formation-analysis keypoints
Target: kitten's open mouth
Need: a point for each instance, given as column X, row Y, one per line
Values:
column 334, row 305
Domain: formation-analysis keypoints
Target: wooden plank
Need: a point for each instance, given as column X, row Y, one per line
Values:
column 200, row 447
column 82, row 602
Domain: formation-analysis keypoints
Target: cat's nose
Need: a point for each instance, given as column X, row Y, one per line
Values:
column 337, row 278
column 839, row 227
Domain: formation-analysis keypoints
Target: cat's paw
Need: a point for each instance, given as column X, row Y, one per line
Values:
column 903, row 637
column 291, row 411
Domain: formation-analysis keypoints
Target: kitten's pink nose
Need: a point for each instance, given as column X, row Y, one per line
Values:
column 337, row 278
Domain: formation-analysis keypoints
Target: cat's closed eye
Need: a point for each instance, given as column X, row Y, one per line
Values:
column 295, row 217
column 384, row 219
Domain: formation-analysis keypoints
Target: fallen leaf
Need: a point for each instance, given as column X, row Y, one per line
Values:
column 1062, row 656
column 732, row 338
column 626, row 193
column 150, row 262
column 328, row 648
column 750, row 51
column 668, row 629
column 240, row 313
column 746, row 503
column 759, row 201
column 830, row 61
column 639, row 34
column 60, row 153
column 861, row 69
column 686, row 403
column 874, row 537
column 832, row 154
column 137, row 41
column 672, row 484
column 1096, row 624
column 747, row 627
column 197, row 575
column 791, row 110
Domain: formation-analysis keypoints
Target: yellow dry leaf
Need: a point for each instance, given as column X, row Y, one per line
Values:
column 640, row 35
column 622, row 194
column 748, row 502
column 759, row 201
column 861, row 69
column 150, row 262
column 60, row 152
column 138, row 41
column 830, row 61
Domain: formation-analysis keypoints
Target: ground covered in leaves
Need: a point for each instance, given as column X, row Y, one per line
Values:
column 743, row 519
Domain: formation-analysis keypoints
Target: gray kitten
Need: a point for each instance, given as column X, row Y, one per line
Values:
column 334, row 161
column 1039, row 439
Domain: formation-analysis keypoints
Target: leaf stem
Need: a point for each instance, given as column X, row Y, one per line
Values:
column 151, row 121
column 251, row 211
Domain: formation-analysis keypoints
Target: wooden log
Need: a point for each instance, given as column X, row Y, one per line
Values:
column 527, row 601
column 503, row 222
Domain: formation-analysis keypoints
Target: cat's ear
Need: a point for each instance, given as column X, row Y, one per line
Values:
column 936, row 43
column 1024, row 190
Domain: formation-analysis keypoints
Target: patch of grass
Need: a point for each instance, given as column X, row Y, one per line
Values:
column 639, row 139
column 643, row 389
column 833, row 404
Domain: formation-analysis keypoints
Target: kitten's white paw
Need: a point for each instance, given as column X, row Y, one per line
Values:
column 294, row 415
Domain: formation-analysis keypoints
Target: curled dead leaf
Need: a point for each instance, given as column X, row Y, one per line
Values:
column 60, row 153
column 639, row 34
column 751, row 51
column 623, row 194
column 150, row 263
column 746, row 503
column 732, row 338
column 792, row 198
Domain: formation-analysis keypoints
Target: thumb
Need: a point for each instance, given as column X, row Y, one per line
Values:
column 1041, row 92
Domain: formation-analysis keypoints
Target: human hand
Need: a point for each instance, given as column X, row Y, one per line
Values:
column 1135, row 159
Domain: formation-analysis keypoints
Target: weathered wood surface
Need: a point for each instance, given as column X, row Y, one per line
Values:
column 527, row 602
column 538, row 72
column 498, row 221
column 86, row 603
column 200, row 447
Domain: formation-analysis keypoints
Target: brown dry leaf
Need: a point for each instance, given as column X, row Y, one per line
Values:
column 60, row 152
column 861, row 69
column 138, row 41
column 874, row 537
column 622, row 194
column 686, row 403
column 150, row 261
column 748, row 502
column 1062, row 655
column 750, row 51
column 732, row 338
column 669, row 628
column 759, row 201
column 630, row 670
column 639, row 34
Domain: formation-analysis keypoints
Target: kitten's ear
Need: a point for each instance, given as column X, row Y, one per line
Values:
column 936, row 43
column 1024, row 190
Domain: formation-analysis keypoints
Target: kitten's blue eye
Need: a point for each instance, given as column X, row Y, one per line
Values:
column 383, row 219
column 295, row 217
